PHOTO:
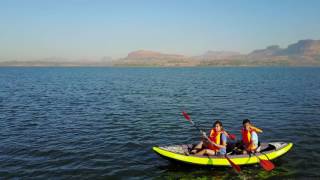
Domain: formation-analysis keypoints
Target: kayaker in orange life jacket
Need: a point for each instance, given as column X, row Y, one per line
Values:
column 218, row 138
column 249, row 137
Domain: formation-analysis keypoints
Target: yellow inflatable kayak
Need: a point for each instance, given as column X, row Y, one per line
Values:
column 180, row 153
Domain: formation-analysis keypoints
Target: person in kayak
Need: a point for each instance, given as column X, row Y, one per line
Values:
column 250, row 140
column 216, row 145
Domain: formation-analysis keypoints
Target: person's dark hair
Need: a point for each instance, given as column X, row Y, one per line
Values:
column 217, row 122
column 246, row 121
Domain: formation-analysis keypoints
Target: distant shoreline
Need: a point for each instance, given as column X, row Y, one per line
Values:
column 226, row 66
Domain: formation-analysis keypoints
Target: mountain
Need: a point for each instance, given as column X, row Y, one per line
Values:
column 270, row 51
column 301, row 53
column 152, row 58
column 217, row 55
column 144, row 54
column 303, row 48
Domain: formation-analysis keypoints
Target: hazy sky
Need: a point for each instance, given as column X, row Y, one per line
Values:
column 92, row 28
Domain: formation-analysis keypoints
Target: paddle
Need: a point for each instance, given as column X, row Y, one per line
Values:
column 265, row 164
column 232, row 136
column 187, row 117
column 234, row 166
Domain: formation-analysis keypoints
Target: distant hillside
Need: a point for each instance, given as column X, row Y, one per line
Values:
column 143, row 54
column 270, row 51
column 302, row 48
column 302, row 53
column 152, row 58
column 309, row 48
column 217, row 55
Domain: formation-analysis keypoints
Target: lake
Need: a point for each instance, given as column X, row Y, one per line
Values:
column 103, row 122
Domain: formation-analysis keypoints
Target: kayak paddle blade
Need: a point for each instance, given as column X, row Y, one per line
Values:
column 266, row 165
column 235, row 167
column 232, row 136
column 186, row 116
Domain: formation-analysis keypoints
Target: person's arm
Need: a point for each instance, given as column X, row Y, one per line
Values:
column 224, row 142
column 254, row 139
column 225, row 133
column 256, row 129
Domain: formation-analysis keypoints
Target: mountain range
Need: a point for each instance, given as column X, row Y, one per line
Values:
column 301, row 53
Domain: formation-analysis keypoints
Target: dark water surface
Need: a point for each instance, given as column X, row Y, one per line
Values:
column 102, row 122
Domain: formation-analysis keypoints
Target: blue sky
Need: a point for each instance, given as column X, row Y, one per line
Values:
column 34, row 29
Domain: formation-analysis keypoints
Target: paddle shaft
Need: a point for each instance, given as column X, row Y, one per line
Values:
column 202, row 132
column 187, row 117
column 197, row 127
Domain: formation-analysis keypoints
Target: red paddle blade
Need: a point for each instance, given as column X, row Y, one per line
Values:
column 266, row 165
column 235, row 167
column 186, row 116
column 232, row 136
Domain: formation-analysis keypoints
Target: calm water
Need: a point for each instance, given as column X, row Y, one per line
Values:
column 102, row 122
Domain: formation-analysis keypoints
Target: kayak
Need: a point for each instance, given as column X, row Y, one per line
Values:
column 180, row 153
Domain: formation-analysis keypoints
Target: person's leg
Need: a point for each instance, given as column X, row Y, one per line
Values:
column 243, row 148
column 202, row 152
column 258, row 149
column 207, row 152
column 211, row 152
column 197, row 147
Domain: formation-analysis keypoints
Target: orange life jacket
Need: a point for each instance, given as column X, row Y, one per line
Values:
column 216, row 138
column 246, row 139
